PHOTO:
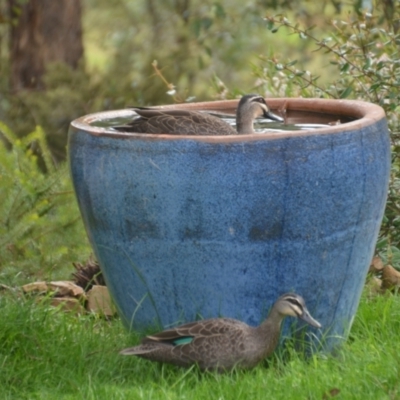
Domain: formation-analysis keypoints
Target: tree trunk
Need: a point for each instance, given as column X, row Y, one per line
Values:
column 42, row 32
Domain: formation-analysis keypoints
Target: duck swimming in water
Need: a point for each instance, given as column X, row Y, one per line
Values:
column 185, row 122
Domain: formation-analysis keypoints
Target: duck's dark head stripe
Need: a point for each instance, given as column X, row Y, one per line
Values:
column 298, row 307
column 259, row 99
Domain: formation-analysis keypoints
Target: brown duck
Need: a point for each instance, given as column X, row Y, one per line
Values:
column 222, row 343
column 185, row 122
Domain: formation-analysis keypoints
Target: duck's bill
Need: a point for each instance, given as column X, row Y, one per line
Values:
column 306, row 317
column 274, row 117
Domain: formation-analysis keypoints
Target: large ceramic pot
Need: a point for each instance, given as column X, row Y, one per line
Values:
column 205, row 226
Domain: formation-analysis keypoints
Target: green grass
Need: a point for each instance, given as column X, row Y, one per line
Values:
column 47, row 354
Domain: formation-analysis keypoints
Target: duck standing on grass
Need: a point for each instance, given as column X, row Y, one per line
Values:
column 222, row 343
column 186, row 122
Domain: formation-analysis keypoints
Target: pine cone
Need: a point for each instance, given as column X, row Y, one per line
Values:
column 88, row 275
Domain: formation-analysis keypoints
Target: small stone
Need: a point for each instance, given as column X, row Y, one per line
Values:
column 376, row 265
column 35, row 287
column 390, row 278
column 99, row 301
column 66, row 288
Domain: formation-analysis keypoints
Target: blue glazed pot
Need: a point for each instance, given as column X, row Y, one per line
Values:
column 188, row 226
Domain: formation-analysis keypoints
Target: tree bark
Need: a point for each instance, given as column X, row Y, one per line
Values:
column 42, row 32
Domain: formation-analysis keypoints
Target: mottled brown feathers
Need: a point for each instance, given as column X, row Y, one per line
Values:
column 179, row 122
column 222, row 343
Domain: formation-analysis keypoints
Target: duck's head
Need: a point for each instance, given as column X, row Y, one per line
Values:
column 293, row 305
column 253, row 106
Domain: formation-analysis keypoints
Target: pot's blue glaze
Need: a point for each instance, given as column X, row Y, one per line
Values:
column 186, row 228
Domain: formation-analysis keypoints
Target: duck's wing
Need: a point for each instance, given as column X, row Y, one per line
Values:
column 212, row 344
column 185, row 334
column 178, row 122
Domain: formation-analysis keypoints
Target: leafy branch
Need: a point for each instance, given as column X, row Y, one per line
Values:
column 365, row 50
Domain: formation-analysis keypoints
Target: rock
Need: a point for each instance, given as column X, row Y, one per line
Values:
column 66, row 288
column 99, row 301
column 376, row 265
column 390, row 278
column 35, row 287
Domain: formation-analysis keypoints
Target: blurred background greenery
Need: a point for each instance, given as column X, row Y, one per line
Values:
column 204, row 50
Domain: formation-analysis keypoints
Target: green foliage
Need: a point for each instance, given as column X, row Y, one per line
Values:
column 40, row 227
column 191, row 42
column 204, row 49
column 47, row 354
column 365, row 55
column 69, row 94
column 365, row 52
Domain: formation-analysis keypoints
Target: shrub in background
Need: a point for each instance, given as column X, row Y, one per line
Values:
column 40, row 228
column 365, row 51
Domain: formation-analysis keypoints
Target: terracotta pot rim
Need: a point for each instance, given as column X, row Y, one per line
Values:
column 363, row 112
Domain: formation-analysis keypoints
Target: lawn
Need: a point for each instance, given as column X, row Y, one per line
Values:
column 48, row 354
